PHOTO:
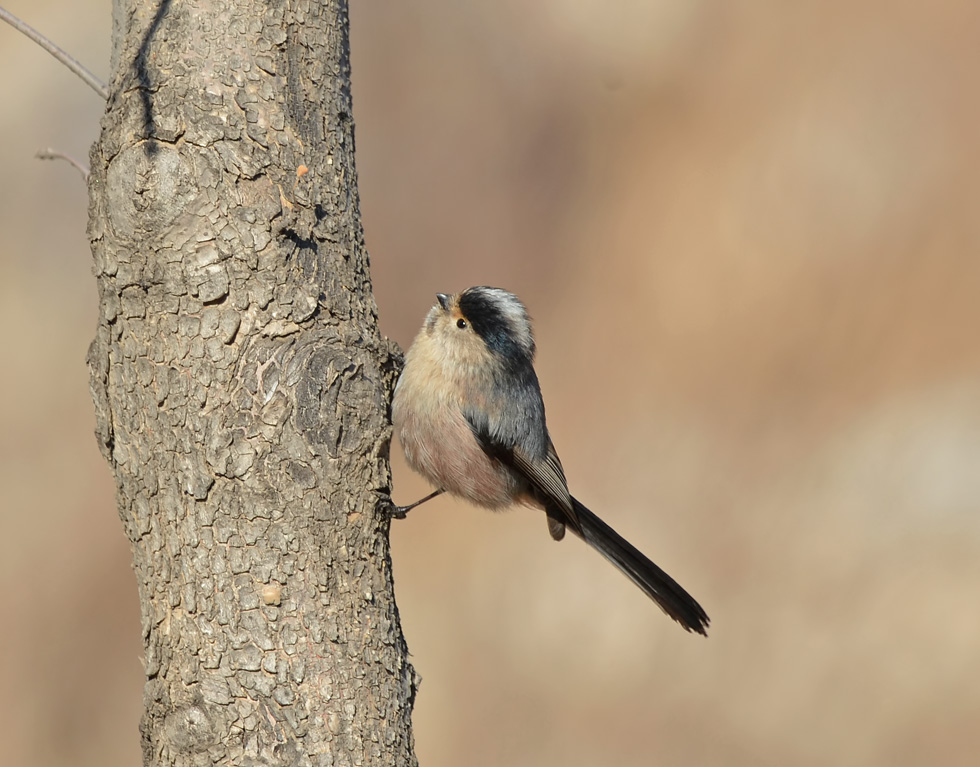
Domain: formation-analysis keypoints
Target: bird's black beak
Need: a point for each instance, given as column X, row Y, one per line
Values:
column 443, row 300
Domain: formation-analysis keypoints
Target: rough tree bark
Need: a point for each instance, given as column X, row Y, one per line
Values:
column 241, row 387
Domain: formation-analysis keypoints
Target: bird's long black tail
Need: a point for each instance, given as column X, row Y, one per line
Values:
column 654, row 582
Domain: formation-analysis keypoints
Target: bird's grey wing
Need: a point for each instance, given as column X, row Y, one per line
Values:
column 545, row 475
column 510, row 427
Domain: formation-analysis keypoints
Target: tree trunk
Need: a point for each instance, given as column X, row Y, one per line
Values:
column 241, row 387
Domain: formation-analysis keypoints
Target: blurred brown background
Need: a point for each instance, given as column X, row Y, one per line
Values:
column 748, row 233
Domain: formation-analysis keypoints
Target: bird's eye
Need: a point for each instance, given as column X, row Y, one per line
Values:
column 461, row 324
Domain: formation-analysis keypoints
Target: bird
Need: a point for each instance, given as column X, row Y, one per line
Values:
column 469, row 415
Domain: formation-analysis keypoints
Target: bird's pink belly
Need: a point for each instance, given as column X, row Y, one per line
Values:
column 444, row 450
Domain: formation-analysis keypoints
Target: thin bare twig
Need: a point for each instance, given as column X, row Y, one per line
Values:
column 51, row 154
column 91, row 80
